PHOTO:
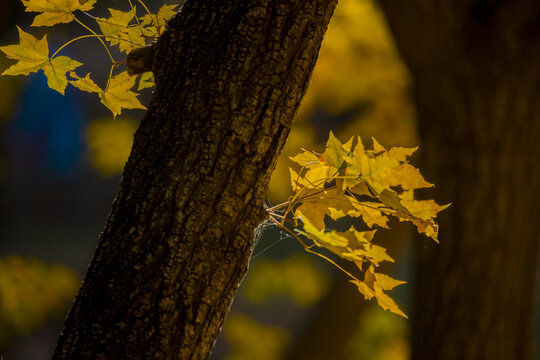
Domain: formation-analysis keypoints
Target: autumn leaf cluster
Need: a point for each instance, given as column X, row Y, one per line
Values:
column 123, row 29
column 369, row 186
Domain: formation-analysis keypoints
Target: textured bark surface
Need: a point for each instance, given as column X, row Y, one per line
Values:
column 230, row 76
column 475, row 64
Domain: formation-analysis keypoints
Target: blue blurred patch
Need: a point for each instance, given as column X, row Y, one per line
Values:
column 48, row 128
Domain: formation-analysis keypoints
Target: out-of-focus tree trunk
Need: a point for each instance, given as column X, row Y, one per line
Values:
column 477, row 81
column 229, row 78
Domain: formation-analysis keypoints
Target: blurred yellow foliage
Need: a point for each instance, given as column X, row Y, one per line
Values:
column 251, row 340
column 31, row 292
column 109, row 142
column 380, row 336
column 359, row 73
column 297, row 277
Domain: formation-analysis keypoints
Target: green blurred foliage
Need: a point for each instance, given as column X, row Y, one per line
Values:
column 296, row 277
column 30, row 293
column 251, row 340
column 380, row 336
column 109, row 143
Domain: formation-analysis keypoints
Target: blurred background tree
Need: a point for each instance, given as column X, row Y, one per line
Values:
column 477, row 77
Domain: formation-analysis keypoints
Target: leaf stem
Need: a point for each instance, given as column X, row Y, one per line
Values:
column 136, row 18
column 72, row 40
column 308, row 249
column 144, row 6
column 110, row 76
column 98, row 37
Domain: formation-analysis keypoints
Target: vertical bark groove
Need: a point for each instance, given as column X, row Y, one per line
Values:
column 229, row 78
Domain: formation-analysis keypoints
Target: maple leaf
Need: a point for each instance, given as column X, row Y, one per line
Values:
column 85, row 84
column 156, row 22
column 377, row 254
column 367, row 210
column 118, row 32
column 360, row 248
column 146, row 81
column 314, row 176
column 375, row 170
column 377, row 148
column 305, row 158
column 55, row 70
column 360, row 188
column 401, row 153
column 317, row 205
column 374, row 285
column 33, row 54
column 408, row 177
column 423, row 209
column 372, row 169
column 330, row 240
column 56, row 11
column 336, row 183
column 119, row 96
column 334, row 153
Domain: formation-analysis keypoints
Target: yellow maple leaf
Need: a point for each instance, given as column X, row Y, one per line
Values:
column 372, row 254
column 330, row 240
column 55, row 70
column 56, row 11
column 117, row 30
column 401, row 153
column 370, row 213
column 408, row 177
column 423, row 209
column 427, row 227
column 333, row 155
column 351, row 144
column 376, row 170
column 374, row 285
column 377, row 148
column 146, row 81
column 360, row 188
column 305, row 158
column 377, row 254
column 387, row 303
column 317, row 205
column 157, row 22
column 372, row 169
column 33, row 54
column 85, row 83
column 364, row 289
column 385, row 282
column 119, row 96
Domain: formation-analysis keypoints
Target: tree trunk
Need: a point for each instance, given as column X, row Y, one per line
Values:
column 475, row 65
column 229, row 78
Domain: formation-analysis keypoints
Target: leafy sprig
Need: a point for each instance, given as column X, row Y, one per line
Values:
column 125, row 29
column 370, row 186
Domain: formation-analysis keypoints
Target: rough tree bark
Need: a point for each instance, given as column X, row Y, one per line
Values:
column 229, row 78
column 475, row 65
